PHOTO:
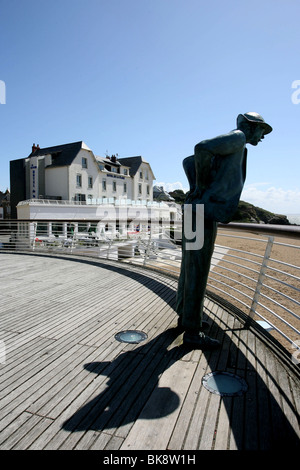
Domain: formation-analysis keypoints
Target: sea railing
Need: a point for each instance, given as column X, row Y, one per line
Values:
column 255, row 268
column 260, row 275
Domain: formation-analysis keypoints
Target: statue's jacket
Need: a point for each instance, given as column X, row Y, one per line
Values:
column 227, row 177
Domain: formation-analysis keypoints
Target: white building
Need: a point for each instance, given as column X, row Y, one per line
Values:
column 69, row 182
column 72, row 172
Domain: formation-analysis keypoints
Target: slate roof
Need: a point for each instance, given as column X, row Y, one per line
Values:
column 134, row 163
column 62, row 155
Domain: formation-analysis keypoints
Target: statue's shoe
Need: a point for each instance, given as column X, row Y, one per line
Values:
column 200, row 341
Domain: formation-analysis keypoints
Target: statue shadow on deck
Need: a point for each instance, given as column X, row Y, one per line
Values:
column 134, row 376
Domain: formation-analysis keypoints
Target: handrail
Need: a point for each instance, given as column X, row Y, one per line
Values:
column 268, row 229
column 250, row 277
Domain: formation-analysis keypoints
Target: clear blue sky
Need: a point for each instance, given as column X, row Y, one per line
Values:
column 153, row 78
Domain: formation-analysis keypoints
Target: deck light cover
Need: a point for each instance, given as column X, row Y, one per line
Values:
column 131, row 336
column 224, row 384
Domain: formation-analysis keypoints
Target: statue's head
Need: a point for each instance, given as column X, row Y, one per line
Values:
column 254, row 127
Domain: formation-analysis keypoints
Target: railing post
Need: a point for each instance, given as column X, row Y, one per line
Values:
column 34, row 235
column 147, row 250
column 73, row 242
column 109, row 247
column 260, row 280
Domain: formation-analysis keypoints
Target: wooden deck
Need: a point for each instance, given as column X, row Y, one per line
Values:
column 67, row 383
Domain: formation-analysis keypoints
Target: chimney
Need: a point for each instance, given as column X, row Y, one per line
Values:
column 35, row 147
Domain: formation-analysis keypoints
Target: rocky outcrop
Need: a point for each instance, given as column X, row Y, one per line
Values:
column 248, row 213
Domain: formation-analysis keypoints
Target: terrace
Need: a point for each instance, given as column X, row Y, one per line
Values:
column 68, row 381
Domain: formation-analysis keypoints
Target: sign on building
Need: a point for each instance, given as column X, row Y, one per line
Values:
column 34, row 187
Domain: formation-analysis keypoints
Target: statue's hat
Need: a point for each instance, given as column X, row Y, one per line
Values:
column 258, row 119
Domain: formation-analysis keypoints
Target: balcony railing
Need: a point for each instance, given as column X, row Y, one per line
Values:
column 255, row 269
column 97, row 202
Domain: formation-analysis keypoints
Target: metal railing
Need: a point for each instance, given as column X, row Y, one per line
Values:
column 255, row 276
column 256, row 272
column 92, row 201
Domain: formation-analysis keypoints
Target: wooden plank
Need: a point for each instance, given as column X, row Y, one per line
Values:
column 100, row 442
column 23, row 357
column 193, row 434
column 77, row 410
column 99, row 408
column 236, row 434
column 291, row 421
column 207, row 437
column 223, row 427
column 251, row 413
column 165, row 403
column 277, row 417
column 29, row 435
column 19, row 399
column 115, row 443
column 11, row 429
column 152, row 367
column 62, row 387
column 89, row 439
column 263, row 402
column 183, row 423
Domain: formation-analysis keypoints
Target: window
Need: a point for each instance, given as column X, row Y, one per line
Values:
column 114, row 169
column 141, row 175
column 148, row 189
column 114, row 186
column 84, row 162
column 140, row 189
column 90, row 182
column 103, row 185
column 80, row 197
column 125, row 187
column 147, row 175
column 125, row 171
column 78, row 181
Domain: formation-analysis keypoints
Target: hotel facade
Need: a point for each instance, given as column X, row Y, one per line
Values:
column 69, row 182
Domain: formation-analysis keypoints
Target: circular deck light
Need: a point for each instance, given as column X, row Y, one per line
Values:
column 131, row 336
column 224, row 384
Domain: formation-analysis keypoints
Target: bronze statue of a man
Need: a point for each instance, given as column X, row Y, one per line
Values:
column 216, row 174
